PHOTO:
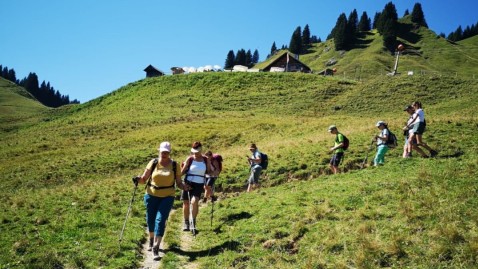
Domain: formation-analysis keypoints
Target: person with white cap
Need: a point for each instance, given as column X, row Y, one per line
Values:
column 195, row 169
column 160, row 176
column 381, row 140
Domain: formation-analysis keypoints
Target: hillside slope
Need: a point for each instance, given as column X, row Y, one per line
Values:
column 75, row 167
column 17, row 106
column 425, row 52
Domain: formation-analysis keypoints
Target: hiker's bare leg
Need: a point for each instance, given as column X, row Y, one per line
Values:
column 186, row 209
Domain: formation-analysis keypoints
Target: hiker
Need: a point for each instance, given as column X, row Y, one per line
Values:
column 211, row 177
column 418, row 125
column 337, row 149
column 195, row 169
column 381, row 141
column 160, row 177
column 255, row 166
column 407, row 152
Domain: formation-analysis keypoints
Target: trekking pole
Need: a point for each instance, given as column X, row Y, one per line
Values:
column 212, row 204
column 191, row 220
column 127, row 213
column 366, row 156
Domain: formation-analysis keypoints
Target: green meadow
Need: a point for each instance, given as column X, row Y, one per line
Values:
column 66, row 173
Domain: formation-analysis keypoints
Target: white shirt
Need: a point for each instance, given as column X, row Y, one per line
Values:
column 196, row 172
column 421, row 116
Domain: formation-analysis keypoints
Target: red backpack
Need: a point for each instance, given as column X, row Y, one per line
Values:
column 218, row 158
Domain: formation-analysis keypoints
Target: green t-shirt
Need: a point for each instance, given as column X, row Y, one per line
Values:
column 339, row 138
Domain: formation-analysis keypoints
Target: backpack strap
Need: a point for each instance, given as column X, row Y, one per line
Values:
column 155, row 163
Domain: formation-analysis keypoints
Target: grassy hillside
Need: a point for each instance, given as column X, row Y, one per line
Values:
column 426, row 52
column 66, row 180
column 17, row 107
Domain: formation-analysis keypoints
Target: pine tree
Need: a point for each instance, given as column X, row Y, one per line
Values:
column 364, row 23
column 249, row 58
column 240, row 57
column 417, row 15
column 388, row 26
column 273, row 48
column 376, row 20
column 295, row 45
column 352, row 22
column 229, row 60
column 406, row 13
column 306, row 37
column 340, row 32
column 255, row 57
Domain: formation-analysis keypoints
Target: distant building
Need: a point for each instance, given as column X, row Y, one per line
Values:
column 177, row 70
column 287, row 63
column 152, row 71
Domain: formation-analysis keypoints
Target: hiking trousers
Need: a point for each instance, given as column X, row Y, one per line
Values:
column 157, row 212
column 380, row 156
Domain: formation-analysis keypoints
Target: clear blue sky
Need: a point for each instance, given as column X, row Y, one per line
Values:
column 88, row 48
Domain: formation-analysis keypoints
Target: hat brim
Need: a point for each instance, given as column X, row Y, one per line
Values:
column 193, row 150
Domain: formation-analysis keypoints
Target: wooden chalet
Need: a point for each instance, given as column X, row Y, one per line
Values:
column 152, row 71
column 288, row 63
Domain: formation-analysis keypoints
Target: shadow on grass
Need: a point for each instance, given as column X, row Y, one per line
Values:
column 454, row 155
column 193, row 255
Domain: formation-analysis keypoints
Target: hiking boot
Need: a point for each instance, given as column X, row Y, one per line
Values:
column 433, row 153
column 204, row 200
column 186, row 225
column 151, row 243
column 156, row 253
column 213, row 198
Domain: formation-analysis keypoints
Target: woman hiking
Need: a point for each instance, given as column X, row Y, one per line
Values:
column 160, row 176
column 195, row 168
column 418, row 125
column 381, row 140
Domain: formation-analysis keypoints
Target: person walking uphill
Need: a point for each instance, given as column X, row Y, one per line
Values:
column 160, row 177
column 195, row 168
column 418, row 125
column 255, row 166
column 338, row 149
column 381, row 140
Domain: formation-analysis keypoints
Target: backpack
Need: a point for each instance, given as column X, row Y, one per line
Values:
column 155, row 163
column 392, row 141
column 346, row 142
column 218, row 158
column 264, row 161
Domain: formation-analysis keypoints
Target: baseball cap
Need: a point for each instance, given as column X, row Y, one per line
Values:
column 331, row 127
column 165, row 146
column 408, row 107
column 380, row 123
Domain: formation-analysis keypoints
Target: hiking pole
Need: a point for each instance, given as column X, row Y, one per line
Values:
column 366, row 156
column 191, row 220
column 129, row 210
column 212, row 204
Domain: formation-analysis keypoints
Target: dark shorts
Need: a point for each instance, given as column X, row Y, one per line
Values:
column 210, row 181
column 196, row 190
column 419, row 128
column 336, row 158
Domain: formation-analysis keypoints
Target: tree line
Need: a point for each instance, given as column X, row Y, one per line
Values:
column 242, row 57
column 44, row 92
column 347, row 30
column 460, row 34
